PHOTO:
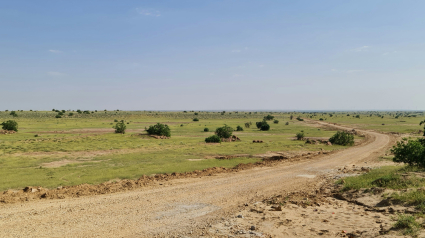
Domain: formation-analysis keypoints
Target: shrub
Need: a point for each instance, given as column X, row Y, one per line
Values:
column 247, row 125
column 410, row 152
column 342, row 138
column 287, row 123
column 58, row 116
column 115, row 120
column 13, row 113
column 276, row 121
column 300, row 119
column 213, row 139
column 159, row 129
column 71, row 114
column 300, row 135
column 265, row 127
column 79, row 111
column 239, row 128
column 206, row 129
column 60, row 113
column 120, row 127
column 10, row 125
column 358, row 116
column 321, row 119
column 268, row 118
column 195, row 119
column 291, row 117
column 224, row 131
column 196, row 113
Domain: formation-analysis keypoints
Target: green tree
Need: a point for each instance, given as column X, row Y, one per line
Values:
column 10, row 125
column 276, row 121
column 159, row 129
column 224, row 131
column 239, row 128
column 206, row 129
column 120, row 127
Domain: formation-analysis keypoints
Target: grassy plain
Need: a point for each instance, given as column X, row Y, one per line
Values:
column 84, row 148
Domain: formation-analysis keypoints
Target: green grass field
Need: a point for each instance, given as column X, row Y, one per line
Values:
column 84, row 148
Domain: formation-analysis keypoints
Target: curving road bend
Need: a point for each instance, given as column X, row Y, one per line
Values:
column 175, row 207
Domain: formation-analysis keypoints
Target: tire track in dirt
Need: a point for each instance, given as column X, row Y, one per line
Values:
column 178, row 206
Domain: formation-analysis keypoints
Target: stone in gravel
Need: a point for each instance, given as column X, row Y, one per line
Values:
column 252, row 228
column 239, row 216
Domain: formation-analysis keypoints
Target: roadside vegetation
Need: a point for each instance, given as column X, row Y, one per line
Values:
column 85, row 146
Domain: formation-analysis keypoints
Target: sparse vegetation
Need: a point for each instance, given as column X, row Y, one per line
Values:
column 408, row 224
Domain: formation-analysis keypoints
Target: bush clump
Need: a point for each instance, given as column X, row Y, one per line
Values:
column 58, row 116
column 239, row 128
column 120, row 127
column 213, row 139
column 262, row 125
column 195, row 119
column 276, row 121
column 287, row 123
column 300, row 119
column 342, row 138
column 206, row 129
column 268, row 118
column 300, row 135
column 10, row 125
column 159, row 129
column 411, row 152
column 224, row 131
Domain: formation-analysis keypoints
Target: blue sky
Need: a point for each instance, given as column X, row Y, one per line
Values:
column 212, row 55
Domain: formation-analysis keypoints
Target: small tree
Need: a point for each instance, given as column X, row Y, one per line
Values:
column 276, row 121
column 10, row 125
column 120, row 127
column 239, row 128
column 213, row 139
column 13, row 113
column 300, row 135
column 265, row 127
column 291, row 117
column 160, row 130
column 342, row 138
column 224, row 131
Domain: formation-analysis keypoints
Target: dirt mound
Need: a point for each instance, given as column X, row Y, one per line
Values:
column 6, row 132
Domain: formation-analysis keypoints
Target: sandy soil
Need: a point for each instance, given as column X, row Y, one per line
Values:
column 185, row 207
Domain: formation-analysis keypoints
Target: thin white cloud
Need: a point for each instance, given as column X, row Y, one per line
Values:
column 55, row 51
column 148, row 12
column 55, row 74
column 362, row 48
column 350, row 71
column 237, row 75
column 236, row 51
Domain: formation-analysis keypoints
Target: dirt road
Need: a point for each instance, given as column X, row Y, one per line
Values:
column 176, row 207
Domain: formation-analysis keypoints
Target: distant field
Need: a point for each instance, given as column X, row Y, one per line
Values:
column 83, row 148
column 402, row 122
